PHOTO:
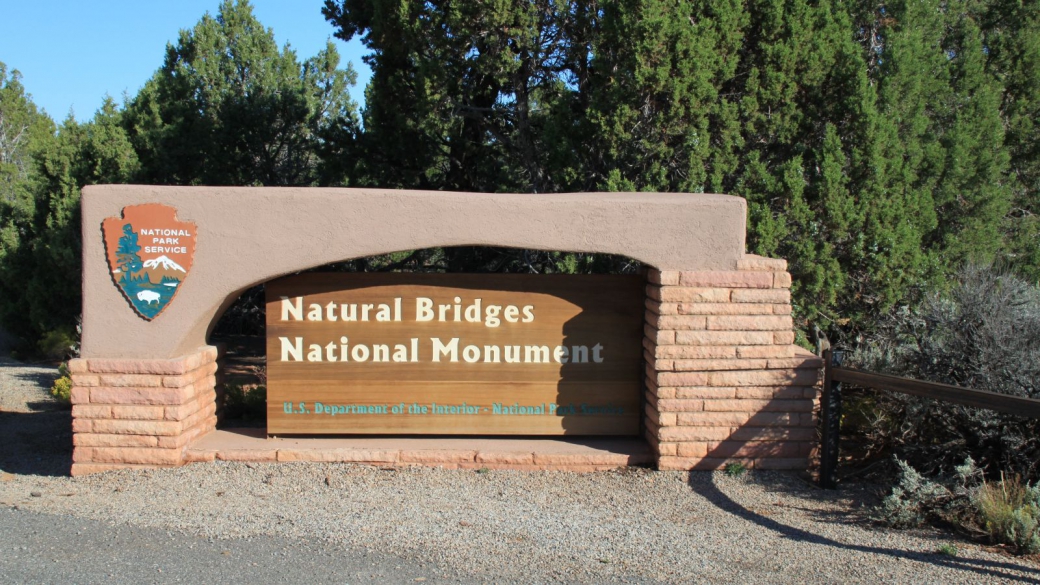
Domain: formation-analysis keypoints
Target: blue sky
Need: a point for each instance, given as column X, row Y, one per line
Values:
column 72, row 53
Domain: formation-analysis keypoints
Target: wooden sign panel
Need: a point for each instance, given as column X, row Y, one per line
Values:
column 455, row 354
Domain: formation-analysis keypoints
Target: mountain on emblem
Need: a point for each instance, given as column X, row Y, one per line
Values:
column 149, row 254
column 165, row 262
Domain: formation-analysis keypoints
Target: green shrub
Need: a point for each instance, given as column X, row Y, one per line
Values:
column 916, row 500
column 59, row 344
column 947, row 549
column 245, row 402
column 983, row 333
column 1009, row 511
column 62, row 389
column 735, row 469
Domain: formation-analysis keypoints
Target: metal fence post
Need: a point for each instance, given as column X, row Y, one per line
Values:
column 831, row 415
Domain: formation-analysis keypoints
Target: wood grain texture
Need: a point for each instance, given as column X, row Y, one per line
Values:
column 375, row 373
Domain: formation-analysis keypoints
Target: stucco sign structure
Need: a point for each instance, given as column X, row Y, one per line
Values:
column 721, row 378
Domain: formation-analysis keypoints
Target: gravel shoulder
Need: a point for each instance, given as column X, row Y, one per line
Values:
column 35, row 549
column 442, row 525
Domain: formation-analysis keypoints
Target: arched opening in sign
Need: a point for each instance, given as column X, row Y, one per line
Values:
column 576, row 384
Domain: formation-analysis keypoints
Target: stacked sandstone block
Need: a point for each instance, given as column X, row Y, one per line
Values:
column 140, row 413
column 725, row 382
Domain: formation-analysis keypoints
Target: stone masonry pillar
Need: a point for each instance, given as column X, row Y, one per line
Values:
column 725, row 382
column 130, row 413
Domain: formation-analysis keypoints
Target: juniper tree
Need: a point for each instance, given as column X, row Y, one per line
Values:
column 228, row 107
column 1011, row 32
column 90, row 153
column 25, row 133
column 933, row 77
column 772, row 102
column 464, row 96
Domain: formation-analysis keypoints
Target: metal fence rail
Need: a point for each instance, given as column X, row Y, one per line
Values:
column 835, row 375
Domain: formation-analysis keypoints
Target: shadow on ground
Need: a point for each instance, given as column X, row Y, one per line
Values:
column 41, row 379
column 703, row 485
column 37, row 442
column 36, row 430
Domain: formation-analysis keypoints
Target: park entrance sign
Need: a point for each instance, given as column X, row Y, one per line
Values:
column 695, row 355
column 454, row 354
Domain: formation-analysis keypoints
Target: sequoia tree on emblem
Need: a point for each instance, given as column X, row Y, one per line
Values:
column 149, row 254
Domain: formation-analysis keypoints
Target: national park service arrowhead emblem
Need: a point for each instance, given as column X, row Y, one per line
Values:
column 149, row 255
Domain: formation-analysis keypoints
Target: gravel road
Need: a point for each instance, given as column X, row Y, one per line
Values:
column 348, row 523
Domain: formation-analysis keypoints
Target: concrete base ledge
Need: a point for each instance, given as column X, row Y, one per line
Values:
column 578, row 455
